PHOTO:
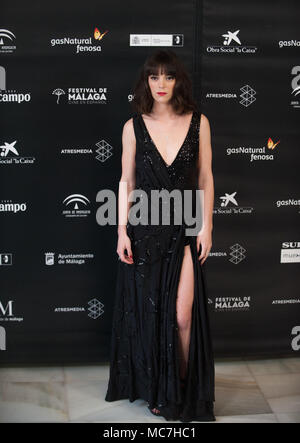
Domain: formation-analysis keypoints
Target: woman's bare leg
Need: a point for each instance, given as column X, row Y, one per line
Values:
column 185, row 298
column 184, row 303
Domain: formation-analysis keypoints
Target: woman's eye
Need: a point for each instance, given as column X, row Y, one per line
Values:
column 169, row 77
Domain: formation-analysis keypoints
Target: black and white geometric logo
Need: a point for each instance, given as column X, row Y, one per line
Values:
column 247, row 95
column 237, row 253
column 95, row 308
column 104, row 151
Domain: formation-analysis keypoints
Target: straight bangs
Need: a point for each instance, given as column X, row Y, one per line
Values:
column 159, row 68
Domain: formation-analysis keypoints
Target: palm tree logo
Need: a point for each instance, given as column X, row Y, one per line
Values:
column 58, row 92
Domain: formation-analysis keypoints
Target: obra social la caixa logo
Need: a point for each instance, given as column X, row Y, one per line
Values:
column 10, row 155
column 231, row 45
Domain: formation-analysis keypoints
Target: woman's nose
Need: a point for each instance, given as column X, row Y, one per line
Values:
column 161, row 82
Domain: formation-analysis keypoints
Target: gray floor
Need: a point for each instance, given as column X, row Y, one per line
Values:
column 266, row 391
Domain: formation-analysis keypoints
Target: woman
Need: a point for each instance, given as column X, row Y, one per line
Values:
column 161, row 348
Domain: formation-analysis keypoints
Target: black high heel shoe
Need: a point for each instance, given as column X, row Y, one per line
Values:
column 158, row 414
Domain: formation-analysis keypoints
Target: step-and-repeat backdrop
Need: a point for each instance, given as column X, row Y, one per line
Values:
column 67, row 72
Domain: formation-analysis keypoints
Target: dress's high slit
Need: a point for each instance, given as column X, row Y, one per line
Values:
column 182, row 358
column 145, row 360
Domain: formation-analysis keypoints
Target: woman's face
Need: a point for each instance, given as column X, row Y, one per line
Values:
column 161, row 86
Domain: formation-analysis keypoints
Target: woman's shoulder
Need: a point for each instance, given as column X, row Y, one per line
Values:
column 131, row 128
column 204, row 121
column 128, row 128
column 129, row 123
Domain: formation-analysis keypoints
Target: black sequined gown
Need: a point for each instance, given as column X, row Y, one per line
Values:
column 144, row 361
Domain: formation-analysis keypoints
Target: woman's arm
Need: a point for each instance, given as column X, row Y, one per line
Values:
column 127, row 180
column 205, row 178
column 206, row 183
column 126, row 185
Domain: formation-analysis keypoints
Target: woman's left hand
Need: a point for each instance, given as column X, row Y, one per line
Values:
column 204, row 238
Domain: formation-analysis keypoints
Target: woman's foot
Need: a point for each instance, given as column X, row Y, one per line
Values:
column 154, row 411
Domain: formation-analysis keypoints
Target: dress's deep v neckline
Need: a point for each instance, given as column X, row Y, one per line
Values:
column 179, row 150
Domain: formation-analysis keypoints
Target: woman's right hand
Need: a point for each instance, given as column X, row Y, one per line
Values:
column 124, row 243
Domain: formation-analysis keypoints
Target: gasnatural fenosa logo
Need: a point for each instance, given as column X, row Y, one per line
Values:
column 85, row 45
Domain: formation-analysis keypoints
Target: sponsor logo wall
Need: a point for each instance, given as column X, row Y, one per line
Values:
column 58, row 264
column 250, row 91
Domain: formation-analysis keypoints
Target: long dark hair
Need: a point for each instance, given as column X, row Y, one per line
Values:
column 182, row 99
